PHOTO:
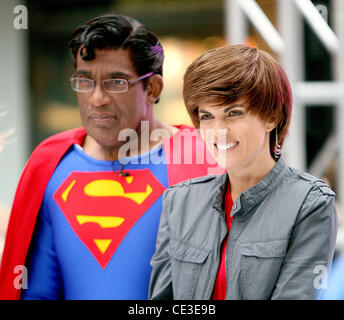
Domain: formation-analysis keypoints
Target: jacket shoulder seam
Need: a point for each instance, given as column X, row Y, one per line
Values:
column 314, row 182
column 194, row 181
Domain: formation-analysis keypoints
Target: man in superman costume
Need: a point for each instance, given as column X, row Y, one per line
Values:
column 85, row 215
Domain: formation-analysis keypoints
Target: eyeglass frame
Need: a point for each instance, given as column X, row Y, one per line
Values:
column 129, row 82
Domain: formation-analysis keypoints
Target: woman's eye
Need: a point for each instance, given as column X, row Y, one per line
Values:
column 204, row 116
column 235, row 113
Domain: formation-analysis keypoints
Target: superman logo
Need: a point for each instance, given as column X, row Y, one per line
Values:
column 102, row 207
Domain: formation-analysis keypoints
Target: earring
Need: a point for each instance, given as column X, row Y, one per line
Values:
column 277, row 147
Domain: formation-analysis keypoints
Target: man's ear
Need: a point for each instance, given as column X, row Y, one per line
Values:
column 154, row 88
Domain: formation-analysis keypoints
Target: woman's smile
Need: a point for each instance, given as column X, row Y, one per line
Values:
column 226, row 147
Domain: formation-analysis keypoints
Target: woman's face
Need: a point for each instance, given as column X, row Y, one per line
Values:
column 236, row 137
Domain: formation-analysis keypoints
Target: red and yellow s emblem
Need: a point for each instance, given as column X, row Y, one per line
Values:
column 102, row 207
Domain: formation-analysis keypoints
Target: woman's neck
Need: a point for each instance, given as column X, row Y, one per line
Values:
column 248, row 176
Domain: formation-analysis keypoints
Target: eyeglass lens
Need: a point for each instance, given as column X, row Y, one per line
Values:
column 110, row 85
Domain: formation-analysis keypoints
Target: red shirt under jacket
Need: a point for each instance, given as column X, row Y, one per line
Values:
column 220, row 287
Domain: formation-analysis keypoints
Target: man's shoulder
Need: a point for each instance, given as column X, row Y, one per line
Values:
column 56, row 145
column 64, row 136
column 184, row 127
column 183, row 130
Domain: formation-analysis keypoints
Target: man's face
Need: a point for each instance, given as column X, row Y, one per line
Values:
column 104, row 114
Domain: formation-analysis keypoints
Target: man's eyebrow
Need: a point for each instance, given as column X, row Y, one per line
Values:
column 81, row 73
column 115, row 74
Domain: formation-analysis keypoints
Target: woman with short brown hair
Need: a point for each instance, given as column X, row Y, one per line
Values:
column 263, row 229
column 223, row 76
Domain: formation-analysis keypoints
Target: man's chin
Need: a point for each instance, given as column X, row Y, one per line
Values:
column 101, row 139
column 109, row 144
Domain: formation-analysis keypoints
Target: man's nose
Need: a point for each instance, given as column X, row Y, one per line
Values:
column 99, row 97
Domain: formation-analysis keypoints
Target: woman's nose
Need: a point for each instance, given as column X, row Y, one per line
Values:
column 221, row 135
column 220, row 128
column 216, row 135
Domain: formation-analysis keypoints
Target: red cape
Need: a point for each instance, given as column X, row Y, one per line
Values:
column 39, row 169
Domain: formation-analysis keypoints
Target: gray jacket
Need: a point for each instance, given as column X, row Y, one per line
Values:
column 281, row 242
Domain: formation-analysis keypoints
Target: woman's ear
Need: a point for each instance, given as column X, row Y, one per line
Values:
column 154, row 88
column 271, row 124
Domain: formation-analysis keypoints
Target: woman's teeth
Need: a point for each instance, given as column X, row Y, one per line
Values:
column 226, row 146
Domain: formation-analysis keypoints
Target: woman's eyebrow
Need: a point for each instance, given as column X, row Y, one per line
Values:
column 225, row 110
column 233, row 106
column 203, row 111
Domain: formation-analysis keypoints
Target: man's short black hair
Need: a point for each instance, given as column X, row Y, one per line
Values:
column 113, row 31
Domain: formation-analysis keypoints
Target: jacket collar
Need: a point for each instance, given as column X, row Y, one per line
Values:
column 252, row 196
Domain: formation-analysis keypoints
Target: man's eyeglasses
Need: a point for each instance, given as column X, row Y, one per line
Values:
column 110, row 85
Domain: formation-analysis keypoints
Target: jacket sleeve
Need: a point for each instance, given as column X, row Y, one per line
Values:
column 160, row 287
column 311, row 248
column 335, row 289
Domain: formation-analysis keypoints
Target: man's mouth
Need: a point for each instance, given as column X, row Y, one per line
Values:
column 102, row 118
column 225, row 147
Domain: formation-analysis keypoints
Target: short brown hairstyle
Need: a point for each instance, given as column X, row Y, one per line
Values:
column 226, row 74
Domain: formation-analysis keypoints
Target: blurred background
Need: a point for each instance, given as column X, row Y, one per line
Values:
column 305, row 36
